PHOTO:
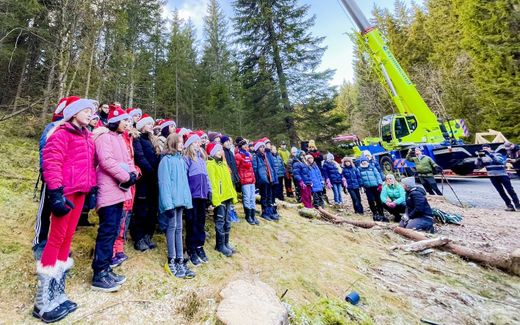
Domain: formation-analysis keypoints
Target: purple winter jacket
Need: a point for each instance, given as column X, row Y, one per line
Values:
column 198, row 178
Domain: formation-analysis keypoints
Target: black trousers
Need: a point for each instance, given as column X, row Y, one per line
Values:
column 222, row 222
column 195, row 224
column 356, row 199
column 278, row 189
column 109, row 225
column 373, row 200
column 503, row 182
column 144, row 218
column 43, row 221
column 317, row 200
column 430, row 185
column 266, row 197
column 396, row 211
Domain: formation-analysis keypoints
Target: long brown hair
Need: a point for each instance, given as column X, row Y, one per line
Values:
column 172, row 143
column 192, row 153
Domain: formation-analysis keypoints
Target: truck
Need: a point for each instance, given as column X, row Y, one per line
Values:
column 414, row 124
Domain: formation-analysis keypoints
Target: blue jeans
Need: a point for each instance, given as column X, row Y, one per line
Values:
column 174, row 233
column 109, row 225
column 422, row 224
column 248, row 196
column 336, row 188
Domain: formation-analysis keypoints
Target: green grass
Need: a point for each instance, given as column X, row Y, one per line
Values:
column 316, row 263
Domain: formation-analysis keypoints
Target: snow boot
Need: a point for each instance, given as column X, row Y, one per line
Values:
column 274, row 213
column 63, row 300
column 247, row 212
column 253, row 217
column 266, row 214
column 46, row 304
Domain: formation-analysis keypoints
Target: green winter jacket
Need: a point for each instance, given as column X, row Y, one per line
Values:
column 222, row 188
column 425, row 166
column 395, row 192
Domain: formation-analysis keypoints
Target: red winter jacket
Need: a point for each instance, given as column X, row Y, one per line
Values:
column 69, row 159
column 245, row 167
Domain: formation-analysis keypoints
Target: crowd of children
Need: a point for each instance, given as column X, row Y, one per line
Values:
column 142, row 174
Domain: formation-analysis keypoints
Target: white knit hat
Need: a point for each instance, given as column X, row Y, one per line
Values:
column 258, row 144
column 77, row 106
column 145, row 119
column 191, row 138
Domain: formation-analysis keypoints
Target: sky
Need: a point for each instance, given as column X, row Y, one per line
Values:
column 332, row 22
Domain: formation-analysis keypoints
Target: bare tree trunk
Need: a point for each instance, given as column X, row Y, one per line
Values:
column 132, row 81
column 20, row 83
column 48, row 89
column 89, row 71
column 176, row 93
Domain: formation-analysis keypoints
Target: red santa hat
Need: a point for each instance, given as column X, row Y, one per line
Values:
column 116, row 114
column 145, row 119
column 265, row 140
column 201, row 134
column 165, row 123
column 134, row 111
column 190, row 138
column 75, row 105
column 212, row 148
column 258, row 144
column 182, row 131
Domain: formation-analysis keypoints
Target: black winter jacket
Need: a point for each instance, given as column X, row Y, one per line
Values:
column 417, row 205
column 146, row 158
column 230, row 159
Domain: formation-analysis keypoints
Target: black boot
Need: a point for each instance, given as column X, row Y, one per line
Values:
column 220, row 247
column 227, row 244
column 253, row 217
column 274, row 215
column 248, row 216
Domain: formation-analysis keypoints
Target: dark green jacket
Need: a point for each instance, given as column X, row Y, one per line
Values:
column 425, row 166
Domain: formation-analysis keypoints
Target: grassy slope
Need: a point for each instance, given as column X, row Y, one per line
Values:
column 316, row 262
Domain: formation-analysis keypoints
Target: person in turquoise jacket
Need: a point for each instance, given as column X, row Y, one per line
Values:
column 393, row 197
column 174, row 197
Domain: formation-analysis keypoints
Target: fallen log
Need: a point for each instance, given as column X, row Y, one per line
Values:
column 506, row 262
column 288, row 205
column 423, row 244
column 338, row 220
column 309, row 213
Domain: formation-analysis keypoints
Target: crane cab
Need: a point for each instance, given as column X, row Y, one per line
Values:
column 397, row 129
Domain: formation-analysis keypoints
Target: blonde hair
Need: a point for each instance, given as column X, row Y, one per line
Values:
column 172, row 143
column 191, row 152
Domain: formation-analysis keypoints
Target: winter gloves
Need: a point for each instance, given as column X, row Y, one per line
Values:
column 344, row 182
column 329, row 184
column 60, row 205
column 126, row 185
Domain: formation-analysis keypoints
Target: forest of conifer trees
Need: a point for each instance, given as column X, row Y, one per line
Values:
column 258, row 67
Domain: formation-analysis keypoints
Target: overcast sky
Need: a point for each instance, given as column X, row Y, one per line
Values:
column 331, row 21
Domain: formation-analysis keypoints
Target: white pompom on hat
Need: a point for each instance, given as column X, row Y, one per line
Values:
column 117, row 114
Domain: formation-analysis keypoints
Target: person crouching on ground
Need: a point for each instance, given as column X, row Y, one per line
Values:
column 116, row 173
column 223, row 195
column 317, row 182
column 418, row 214
column 371, row 180
column 69, row 173
column 174, row 197
column 244, row 162
column 195, row 158
column 352, row 182
column 393, row 197
column 332, row 174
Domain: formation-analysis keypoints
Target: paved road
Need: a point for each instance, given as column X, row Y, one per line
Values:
column 476, row 192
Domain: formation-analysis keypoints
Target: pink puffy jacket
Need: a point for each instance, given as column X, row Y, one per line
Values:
column 68, row 159
column 114, row 166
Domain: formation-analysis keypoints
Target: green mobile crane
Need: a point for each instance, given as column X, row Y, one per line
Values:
column 414, row 122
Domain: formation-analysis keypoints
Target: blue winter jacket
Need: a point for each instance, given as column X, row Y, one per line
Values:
column 301, row 172
column 494, row 162
column 330, row 171
column 352, row 176
column 260, row 166
column 198, row 177
column 174, row 190
column 316, row 178
column 279, row 166
column 270, row 159
column 43, row 141
column 370, row 176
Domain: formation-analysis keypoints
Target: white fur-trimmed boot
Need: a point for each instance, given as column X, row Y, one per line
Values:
column 63, row 300
column 46, row 305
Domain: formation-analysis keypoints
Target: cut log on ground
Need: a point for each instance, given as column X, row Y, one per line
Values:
column 423, row 244
column 288, row 205
column 507, row 262
column 309, row 213
column 338, row 220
